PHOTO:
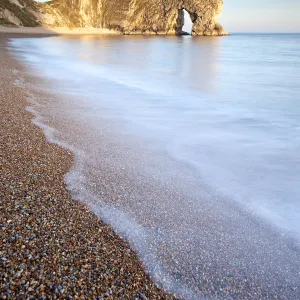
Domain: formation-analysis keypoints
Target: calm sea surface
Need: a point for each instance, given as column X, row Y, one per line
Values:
column 189, row 147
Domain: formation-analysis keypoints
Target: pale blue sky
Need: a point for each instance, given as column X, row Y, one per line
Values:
column 261, row 16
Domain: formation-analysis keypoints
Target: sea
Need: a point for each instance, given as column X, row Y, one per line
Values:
column 189, row 147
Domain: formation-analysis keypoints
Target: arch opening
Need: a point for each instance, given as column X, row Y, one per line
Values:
column 188, row 23
column 185, row 22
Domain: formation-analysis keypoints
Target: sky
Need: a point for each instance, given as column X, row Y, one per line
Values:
column 261, row 16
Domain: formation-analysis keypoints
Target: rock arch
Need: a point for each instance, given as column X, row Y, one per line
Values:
column 138, row 16
column 205, row 15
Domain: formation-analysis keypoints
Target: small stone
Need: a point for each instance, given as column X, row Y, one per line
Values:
column 142, row 296
column 59, row 287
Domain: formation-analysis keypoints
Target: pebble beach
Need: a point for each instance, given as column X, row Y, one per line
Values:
column 52, row 246
column 170, row 181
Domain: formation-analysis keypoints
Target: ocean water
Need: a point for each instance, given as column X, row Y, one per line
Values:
column 188, row 147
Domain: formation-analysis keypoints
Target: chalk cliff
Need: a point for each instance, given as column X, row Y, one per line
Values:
column 19, row 13
column 132, row 16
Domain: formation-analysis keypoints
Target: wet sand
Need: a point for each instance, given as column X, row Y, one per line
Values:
column 50, row 245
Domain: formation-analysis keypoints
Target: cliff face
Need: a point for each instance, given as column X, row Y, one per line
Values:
column 132, row 16
column 19, row 13
column 140, row 16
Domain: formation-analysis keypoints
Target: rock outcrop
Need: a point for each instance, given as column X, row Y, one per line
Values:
column 19, row 13
column 133, row 16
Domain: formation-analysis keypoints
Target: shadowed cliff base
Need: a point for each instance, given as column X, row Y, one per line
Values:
column 160, row 17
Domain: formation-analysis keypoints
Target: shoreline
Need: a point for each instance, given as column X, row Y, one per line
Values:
column 52, row 245
column 56, row 31
column 191, row 238
column 88, row 31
